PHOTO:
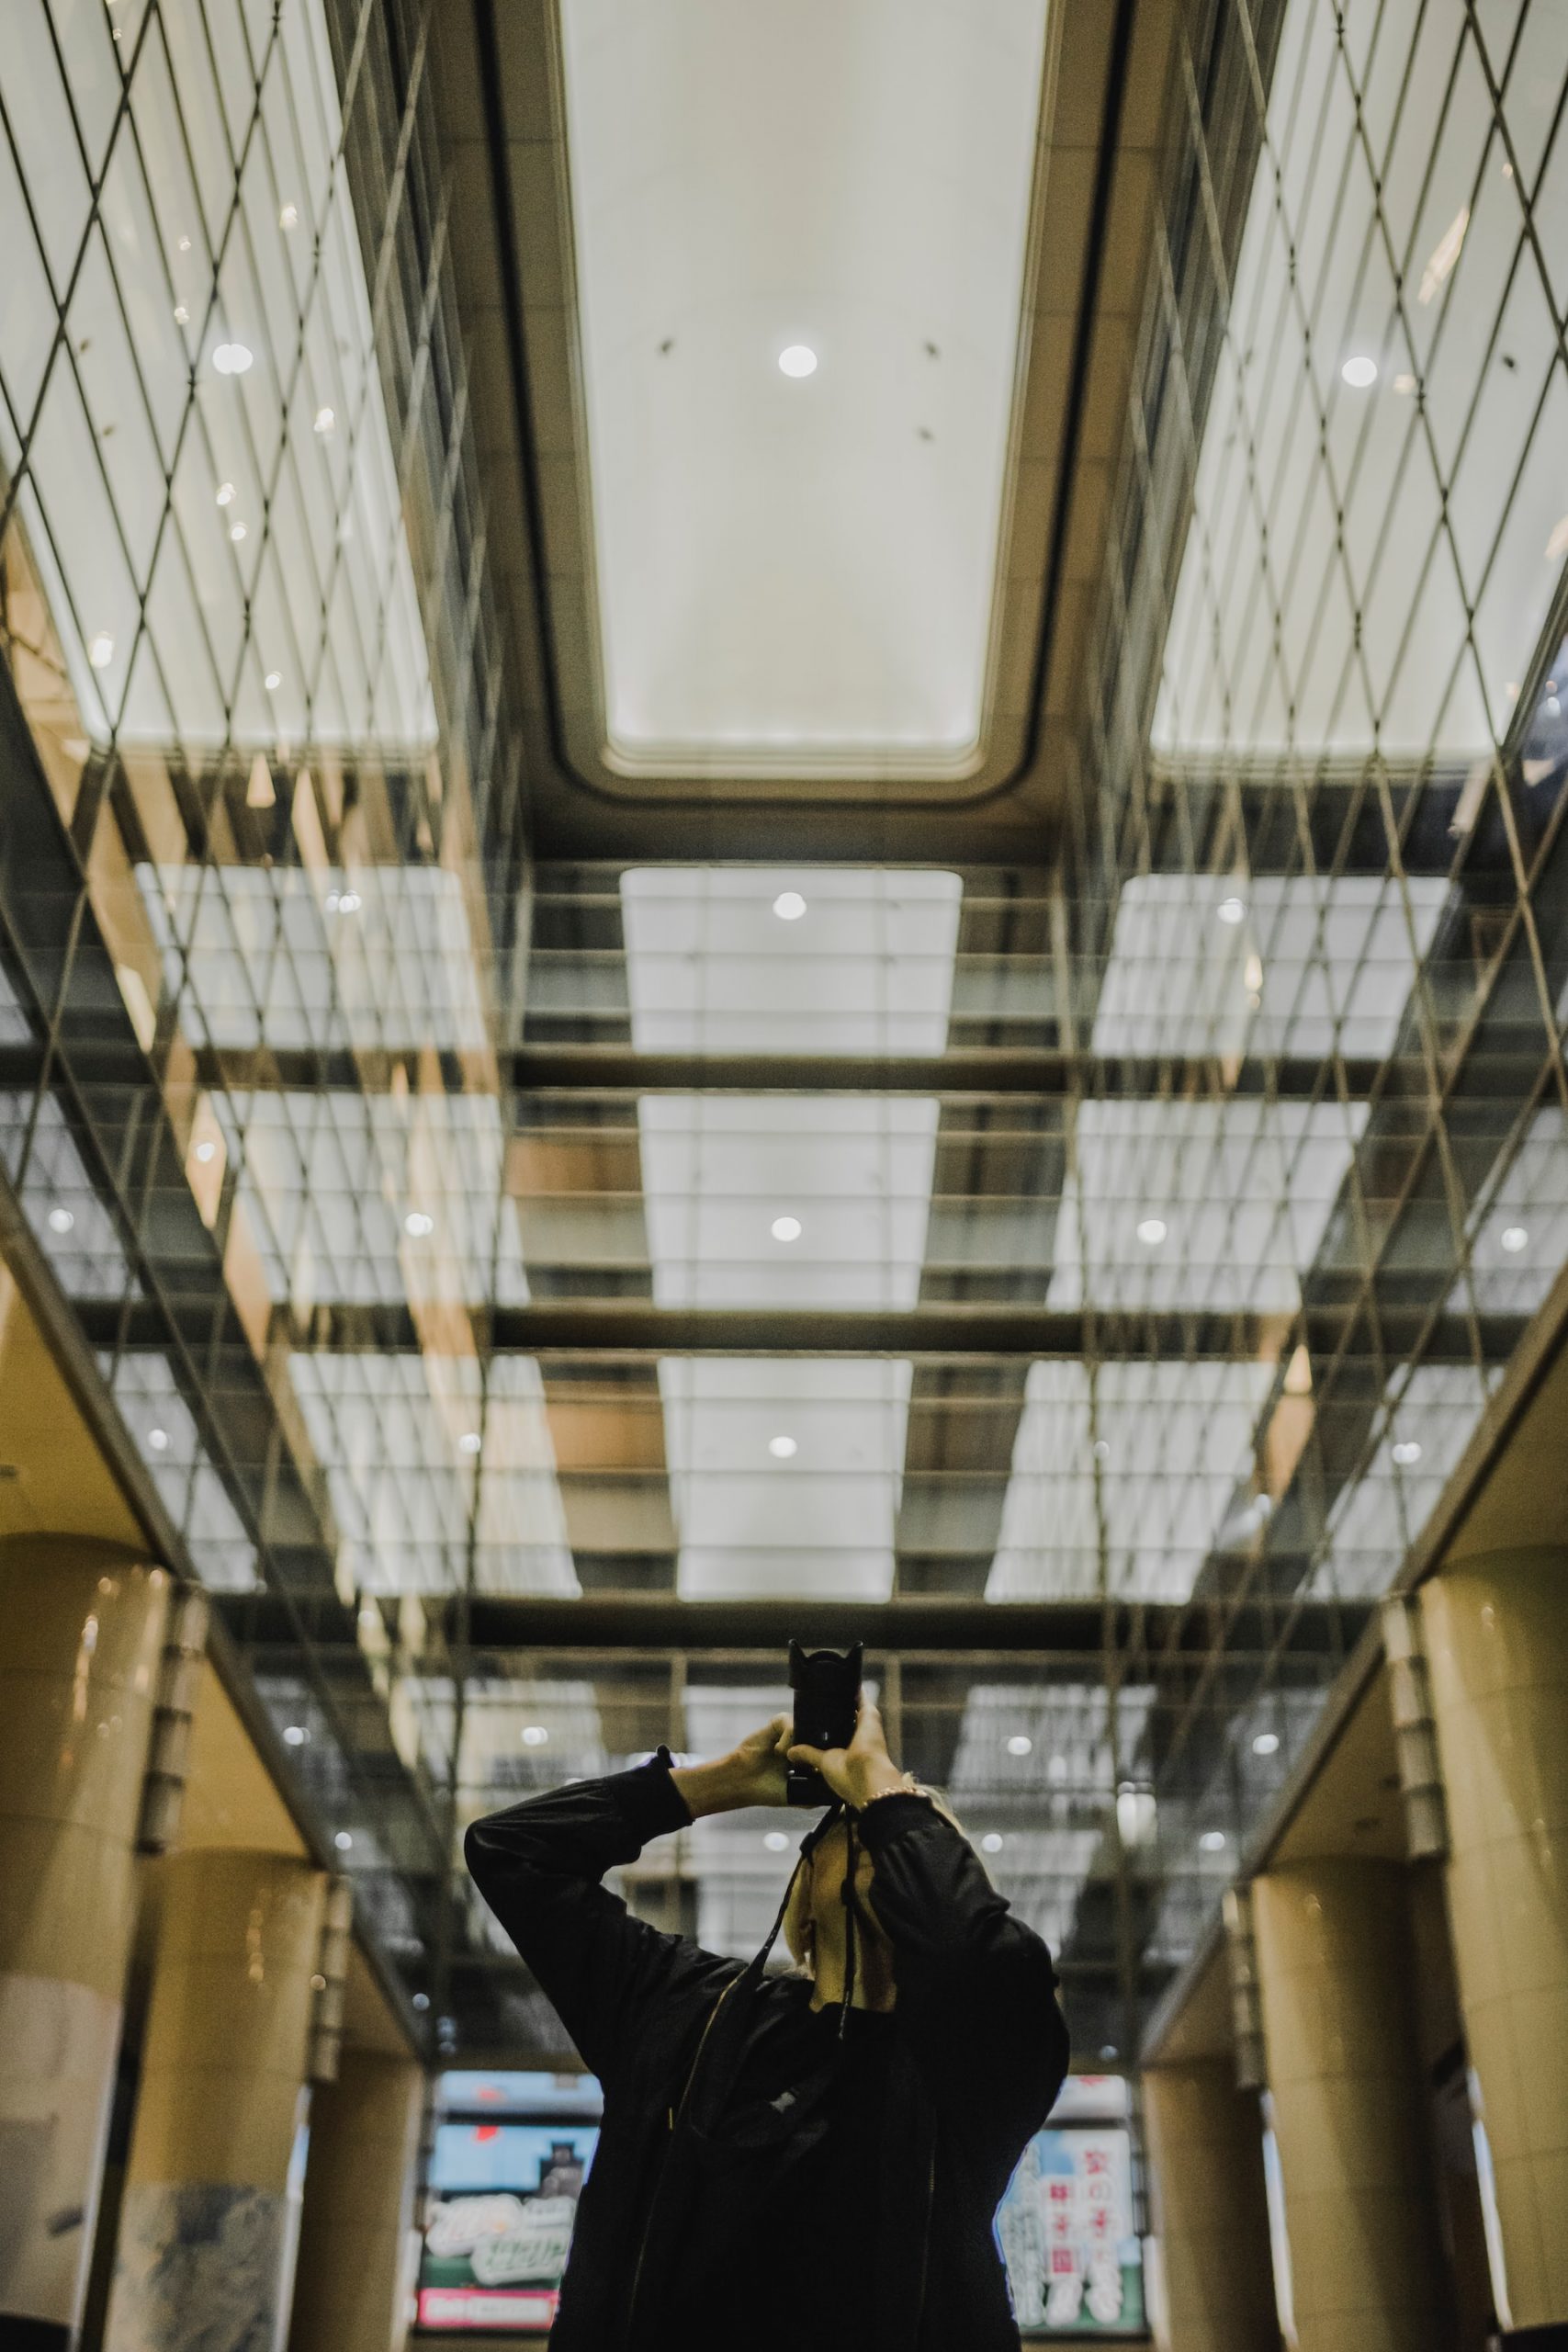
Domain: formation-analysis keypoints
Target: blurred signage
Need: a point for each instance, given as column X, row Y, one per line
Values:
column 1065, row 2228
column 506, row 2184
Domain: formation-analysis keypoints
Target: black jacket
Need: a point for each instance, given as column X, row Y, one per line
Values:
column 976, row 2040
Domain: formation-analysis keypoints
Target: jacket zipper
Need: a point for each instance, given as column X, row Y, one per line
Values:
column 675, row 2114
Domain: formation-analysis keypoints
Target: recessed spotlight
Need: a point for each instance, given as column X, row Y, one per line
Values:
column 61, row 1220
column 289, row 216
column 789, row 906
column 1267, row 1743
column 1358, row 371
column 271, row 681
column 470, row 1441
column 418, row 1223
column 1152, row 1231
column 534, row 1735
column 295, row 1735
column 783, row 1449
column 797, row 359
column 785, row 1228
column 158, row 1439
column 1102, row 1450
column 992, row 1842
column 344, row 1841
column 205, row 1150
column 1020, row 1744
column 100, row 649
column 182, row 316
column 349, row 902
column 236, row 532
column 775, row 1840
column 1212, row 1841
column 225, row 493
column 1232, row 910
column 325, row 420
column 1515, row 1238
column 232, row 358
column 421, row 2002
column 1406, row 1452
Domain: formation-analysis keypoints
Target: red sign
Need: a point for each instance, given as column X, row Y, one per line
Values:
column 470, row 2307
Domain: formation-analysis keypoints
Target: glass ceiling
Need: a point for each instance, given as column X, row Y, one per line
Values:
column 535, row 1287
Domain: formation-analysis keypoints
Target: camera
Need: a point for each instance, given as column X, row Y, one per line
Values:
column 826, row 1684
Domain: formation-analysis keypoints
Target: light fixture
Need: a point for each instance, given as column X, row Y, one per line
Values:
column 470, row 1441
column 225, row 493
column 295, row 1735
column 789, row 906
column 1212, row 1841
column 232, row 358
column 1020, row 1744
column 236, row 532
column 1102, row 1450
column 1406, row 1452
column 785, row 1228
column 61, row 1220
column 1267, row 1743
column 1445, row 253
column 1405, row 385
column 420, row 2001
column 1151, row 1232
column 344, row 1841
column 158, row 1439
column 418, row 1223
column 182, row 316
column 775, row 1840
column 289, row 216
column 1232, row 910
column 534, row 1735
column 349, row 902
column 991, row 1843
column 100, row 650
column 325, row 420
column 271, row 681
column 1359, row 370
column 205, row 1150
column 797, row 359
column 1252, row 977
column 783, row 1449
column 1515, row 1238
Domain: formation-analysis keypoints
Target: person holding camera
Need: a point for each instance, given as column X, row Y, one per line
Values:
column 804, row 2159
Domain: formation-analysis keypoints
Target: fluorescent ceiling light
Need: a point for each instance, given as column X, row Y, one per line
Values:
column 1359, row 371
column 1232, row 910
column 232, row 358
column 1445, row 253
column 1152, row 1231
column 1266, row 1744
column 797, row 359
column 783, row 1449
column 100, row 652
column 785, row 1228
column 789, row 906
column 1515, row 1238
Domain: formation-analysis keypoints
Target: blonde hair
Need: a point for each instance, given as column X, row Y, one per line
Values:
column 797, row 1922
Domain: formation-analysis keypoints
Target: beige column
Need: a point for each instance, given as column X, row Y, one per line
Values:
column 1333, row 1960
column 209, row 2222
column 81, row 1632
column 1497, row 1647
column 1205, row 2146
column 351, row 2285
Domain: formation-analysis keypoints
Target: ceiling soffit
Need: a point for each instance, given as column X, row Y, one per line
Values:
column 501, row 108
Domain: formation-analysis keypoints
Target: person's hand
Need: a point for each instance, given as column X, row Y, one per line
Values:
column 752, row 1773
column 862, row 1770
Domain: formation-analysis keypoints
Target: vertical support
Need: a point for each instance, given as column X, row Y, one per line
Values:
column 1211, row 2208
column 179, row 1677
column 1414, row 1731
column 1247, row 2010
column 351, row 2288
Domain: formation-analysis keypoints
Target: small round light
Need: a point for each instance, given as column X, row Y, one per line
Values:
column 158, row 1439
column 992, row 1842
column 785, row 1228
column 775, row 1840
column 1554, row 706
column 1020, row 1744
column 418, row 1223
column 271, row 681
column 236, row 532
column 100, row 652
column 1406, row 1452
column 232, row 358
column 344, row 1841
column 797, row 359
column 789, row 906
column 184, row 245
column 325, row 420
column 1232, row 910
column 225, row 493
column 61, row 1220
column 470, row 1441
column 1102, row 1450
column 182, row 316
column 783, row 1449
column 1151, row 1232
column 1212, row 1841
column 295, row 1735
column 1515, row 1238
column 349, row 902
column 1358, row 371
column 205, row 1151
column 421, row 2002
column 289, row 216
column 1267, row 1743
column 1108, row 2050
column 534, row 1735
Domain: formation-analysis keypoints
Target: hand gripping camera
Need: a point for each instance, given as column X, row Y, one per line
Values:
column 826, row 1692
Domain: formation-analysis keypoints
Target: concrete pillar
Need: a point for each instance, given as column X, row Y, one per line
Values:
column 351, row 2288
column 81, row 1635
column 1205, row 2145
column 1497, row 1647
column 1333, row 1960
column 209, row 2222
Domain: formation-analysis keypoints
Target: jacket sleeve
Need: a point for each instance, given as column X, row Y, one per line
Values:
column 976, row 1985
column 538, row 1866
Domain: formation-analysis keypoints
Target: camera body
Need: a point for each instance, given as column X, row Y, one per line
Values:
column 826, row 1684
